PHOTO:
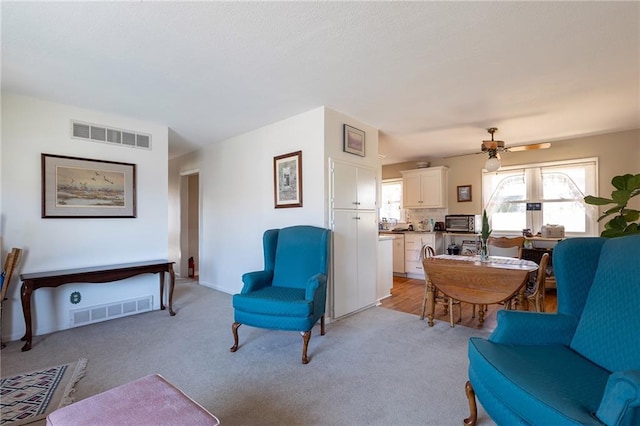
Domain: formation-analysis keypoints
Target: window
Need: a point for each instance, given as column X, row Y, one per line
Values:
column 559, row 187
column 391, row 207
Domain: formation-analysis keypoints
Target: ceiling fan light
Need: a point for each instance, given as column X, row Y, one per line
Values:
column 492, row 164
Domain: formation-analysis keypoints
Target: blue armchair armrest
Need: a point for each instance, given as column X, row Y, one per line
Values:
column 256, row 280
column 532, row 328
column 620, row 404
column 315, row 287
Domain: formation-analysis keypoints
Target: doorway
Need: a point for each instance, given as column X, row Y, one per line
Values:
column 189, row 224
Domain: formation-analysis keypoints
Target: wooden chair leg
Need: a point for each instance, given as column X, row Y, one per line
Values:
column 473, row 408
column 322, row 325
column 451, row 312
column 234, row 330
column 305, row 344
column 424, row 302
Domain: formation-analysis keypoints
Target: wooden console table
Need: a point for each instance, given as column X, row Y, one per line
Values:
column 97, row 274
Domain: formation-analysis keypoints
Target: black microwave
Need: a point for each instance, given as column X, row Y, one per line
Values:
column 470, row 223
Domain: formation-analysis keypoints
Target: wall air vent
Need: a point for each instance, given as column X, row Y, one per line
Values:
column 110, row 135
column 99, row 313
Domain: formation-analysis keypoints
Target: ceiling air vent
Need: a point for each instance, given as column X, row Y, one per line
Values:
column 110, row 135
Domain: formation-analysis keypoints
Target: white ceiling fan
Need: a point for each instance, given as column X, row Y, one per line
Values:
column 494, row 148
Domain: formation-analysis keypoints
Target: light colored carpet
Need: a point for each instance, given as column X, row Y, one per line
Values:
column 30, row 396
column 377, row 367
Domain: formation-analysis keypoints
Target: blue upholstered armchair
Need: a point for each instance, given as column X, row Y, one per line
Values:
column 580, row 366
column 291, row 292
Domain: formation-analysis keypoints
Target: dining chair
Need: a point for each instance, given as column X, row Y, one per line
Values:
column 440, row 299
column 506, row 247
column 536, row 296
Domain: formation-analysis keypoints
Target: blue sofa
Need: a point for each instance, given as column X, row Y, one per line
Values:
column 580, row 366
column 291, row 292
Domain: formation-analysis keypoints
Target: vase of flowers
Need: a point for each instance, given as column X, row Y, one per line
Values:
column 484, row 236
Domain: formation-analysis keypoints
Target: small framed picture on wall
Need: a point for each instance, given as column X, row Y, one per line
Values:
column 287, row 180
column 353, row 140
column 464, row 193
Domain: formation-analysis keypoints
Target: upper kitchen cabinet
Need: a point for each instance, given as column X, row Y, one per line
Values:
column 353, row 187
column 425, row 188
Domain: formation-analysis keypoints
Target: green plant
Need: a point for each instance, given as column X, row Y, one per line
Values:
column 625, row 221
column 486, row 231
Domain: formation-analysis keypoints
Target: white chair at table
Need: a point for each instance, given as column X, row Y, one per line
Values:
column 440, row 299
column 505, row 247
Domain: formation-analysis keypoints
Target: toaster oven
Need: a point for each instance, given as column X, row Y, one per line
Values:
column 469, row 223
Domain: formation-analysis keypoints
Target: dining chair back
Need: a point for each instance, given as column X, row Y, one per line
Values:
column 505, row 246
column 440, row 299
column 537, row 295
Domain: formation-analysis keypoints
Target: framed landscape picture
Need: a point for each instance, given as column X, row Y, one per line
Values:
column 287, row 180
column 85, row 188
column 353, row 140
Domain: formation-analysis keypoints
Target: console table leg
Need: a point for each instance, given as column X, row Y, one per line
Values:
column 161, row 290
column 172, row 283
column 25, row 293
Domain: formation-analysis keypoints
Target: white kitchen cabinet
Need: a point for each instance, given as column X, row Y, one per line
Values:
column 385, row 267
column 354, row 223
column 413, row 243
column 355, row 243
column 398, row 252
column 353, row 187
column 425, row 188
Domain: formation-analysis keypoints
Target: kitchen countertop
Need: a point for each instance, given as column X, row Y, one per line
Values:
column 408, row 232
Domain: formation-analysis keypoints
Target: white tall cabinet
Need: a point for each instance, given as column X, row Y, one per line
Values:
column 355, row 237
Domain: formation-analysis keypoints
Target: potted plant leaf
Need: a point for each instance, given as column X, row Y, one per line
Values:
column 484, row 236
column 625, row 220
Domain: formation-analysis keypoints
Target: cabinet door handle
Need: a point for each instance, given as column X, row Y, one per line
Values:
column 356, row 218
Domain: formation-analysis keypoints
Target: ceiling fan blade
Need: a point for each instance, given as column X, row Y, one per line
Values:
column 543, row 145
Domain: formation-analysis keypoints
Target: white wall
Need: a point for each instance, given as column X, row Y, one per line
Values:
column 334, row 122
column 236, row 190
column 236, row 195
column 31, row 127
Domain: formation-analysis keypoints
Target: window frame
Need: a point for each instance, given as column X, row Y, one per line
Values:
column 532, row 173
column 392, row 181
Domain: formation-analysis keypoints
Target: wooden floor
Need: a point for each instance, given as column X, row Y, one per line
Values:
column 407, row 295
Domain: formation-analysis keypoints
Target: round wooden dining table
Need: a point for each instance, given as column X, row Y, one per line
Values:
column 471, row 280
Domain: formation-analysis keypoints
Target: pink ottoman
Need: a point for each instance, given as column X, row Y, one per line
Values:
column 150, row 400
